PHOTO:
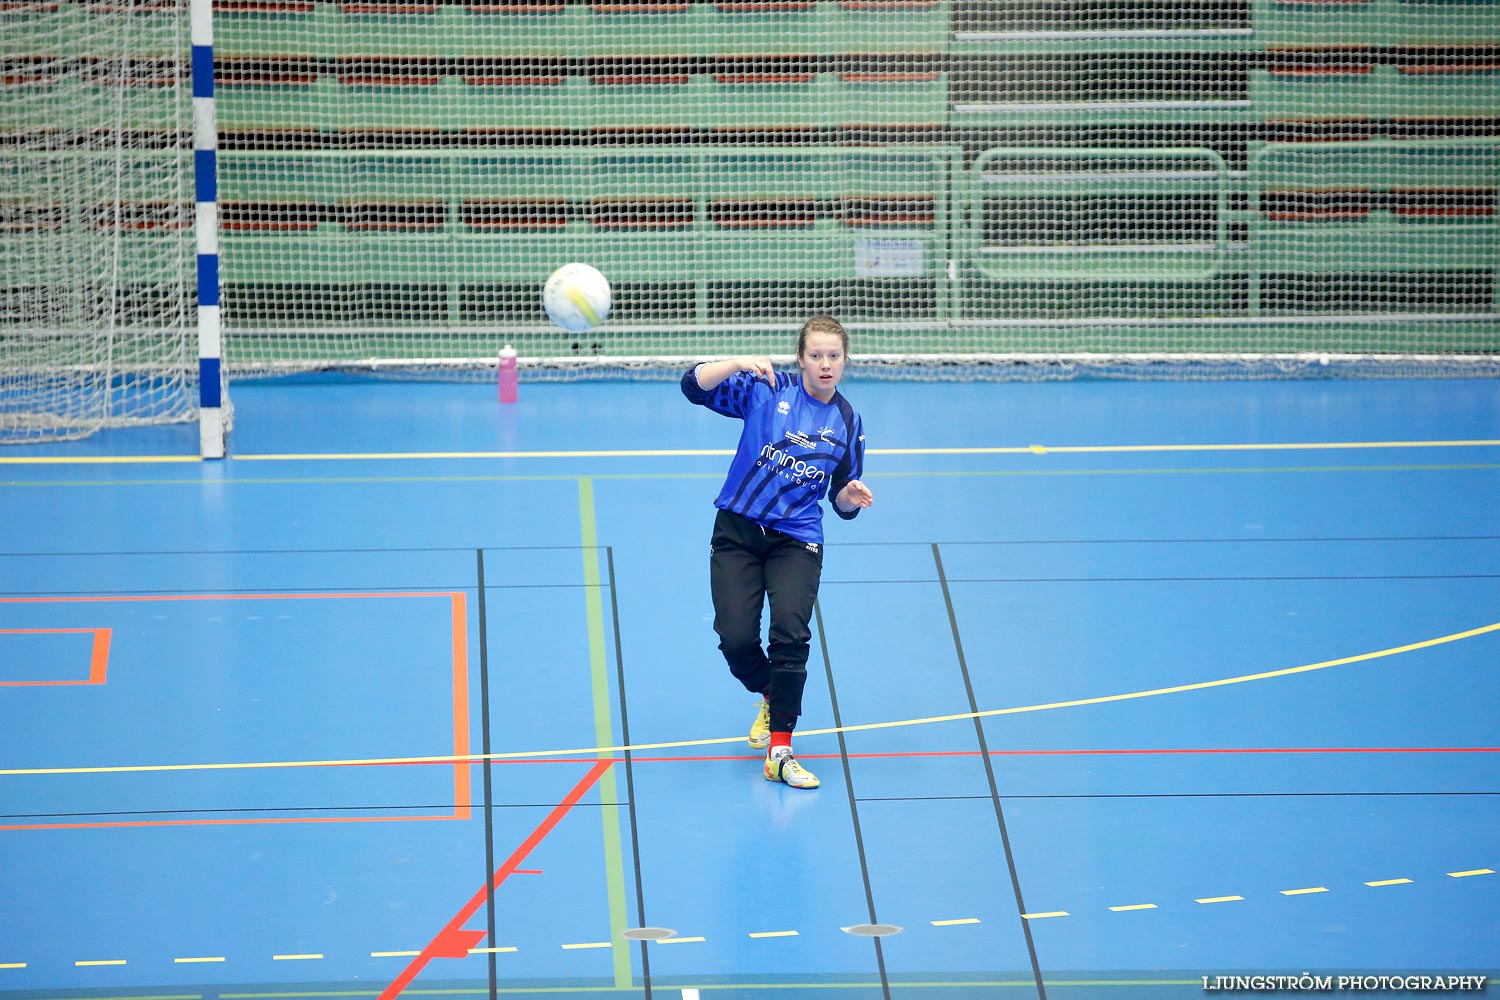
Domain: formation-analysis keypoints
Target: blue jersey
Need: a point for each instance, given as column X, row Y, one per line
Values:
column 793, row 451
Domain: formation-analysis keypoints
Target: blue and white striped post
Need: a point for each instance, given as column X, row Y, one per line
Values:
column 206, row 226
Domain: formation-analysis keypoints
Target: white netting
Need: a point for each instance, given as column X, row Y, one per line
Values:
column 1035, row 187
column 1258, row 186
column 97, row 321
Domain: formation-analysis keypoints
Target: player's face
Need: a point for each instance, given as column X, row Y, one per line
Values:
column 822, row 363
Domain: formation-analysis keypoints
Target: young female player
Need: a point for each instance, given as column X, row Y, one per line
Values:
column 801, row 441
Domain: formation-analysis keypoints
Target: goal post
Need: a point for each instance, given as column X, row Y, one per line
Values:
column 98, row 297
column 211, row 424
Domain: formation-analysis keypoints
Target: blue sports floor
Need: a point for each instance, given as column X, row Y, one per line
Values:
column 1116, row 687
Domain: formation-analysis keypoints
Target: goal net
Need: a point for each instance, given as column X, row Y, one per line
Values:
column 1049, row 186
column 97, row 321
column 1034, row 188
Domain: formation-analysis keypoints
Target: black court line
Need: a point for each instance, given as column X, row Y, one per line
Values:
column 635, row 842
column 450, row 587
column 1180, row 795
column 1287, row 578
column 842, row 545
column 989, row 773
column 292, row 552
column 248, row 810
column 1320, row 578
column 444, row 588
column 1294, row 539
column 232, row 811
column 489, row 797
column 1284, row 539
column 447, row 587
column 862, row 798
column 859, row 840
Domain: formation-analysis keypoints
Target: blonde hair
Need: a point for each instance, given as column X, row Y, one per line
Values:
column 822, row 324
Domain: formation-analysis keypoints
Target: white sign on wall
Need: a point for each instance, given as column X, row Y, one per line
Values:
column 888, row 258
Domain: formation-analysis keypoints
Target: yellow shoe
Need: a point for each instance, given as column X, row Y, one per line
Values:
column 760, row 729
column 783, row 767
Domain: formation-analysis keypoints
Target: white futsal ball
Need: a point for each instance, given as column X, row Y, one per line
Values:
column 577, row 297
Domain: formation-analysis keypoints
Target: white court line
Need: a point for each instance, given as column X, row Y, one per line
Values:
column 1036, row 449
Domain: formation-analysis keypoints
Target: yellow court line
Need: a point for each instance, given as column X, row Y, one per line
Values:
column 293, row 958
column 394, row 954
column 678, row 940
column 96, row 459
column 385, row 456
column 1178, row 689
column 1390, row 881
column 717, row 741
column 1133, row 906
column 955, row 923
column 506, row 950
column 1031, row 449
column 102, row 961
column 194, row 961
column 773, row 934
column 588, row 944
column 1041, row 449
column 1040, row 916
column 1221, row 899
column 1304, row 892
column 1475, row 871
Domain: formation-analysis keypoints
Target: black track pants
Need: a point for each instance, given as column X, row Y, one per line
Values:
column 748, row 564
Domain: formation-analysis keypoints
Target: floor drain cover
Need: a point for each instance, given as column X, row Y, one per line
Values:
column 873, row 930
column 648, row 933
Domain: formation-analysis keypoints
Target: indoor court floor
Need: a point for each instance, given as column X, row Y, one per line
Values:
column 1116, row 687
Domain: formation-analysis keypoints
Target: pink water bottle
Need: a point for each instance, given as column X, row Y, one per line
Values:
column 507, row 374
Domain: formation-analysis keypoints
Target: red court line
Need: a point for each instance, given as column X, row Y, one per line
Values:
column 465, row 805
column 105, row 598
column 453, row 941
column 99, row 662
column 476, row 760
column 98, row 657
column 637, row 759
column 460, row 631
column 1119, row 753
column 227, row 822
column 1181, row 750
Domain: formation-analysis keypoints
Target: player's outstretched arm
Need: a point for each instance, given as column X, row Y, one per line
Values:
column 714, row 372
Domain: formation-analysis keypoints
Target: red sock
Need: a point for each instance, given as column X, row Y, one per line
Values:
column 780, row 740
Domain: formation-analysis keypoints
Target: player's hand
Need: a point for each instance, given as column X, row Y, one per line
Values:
column 761, row 367
column 854, row 494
